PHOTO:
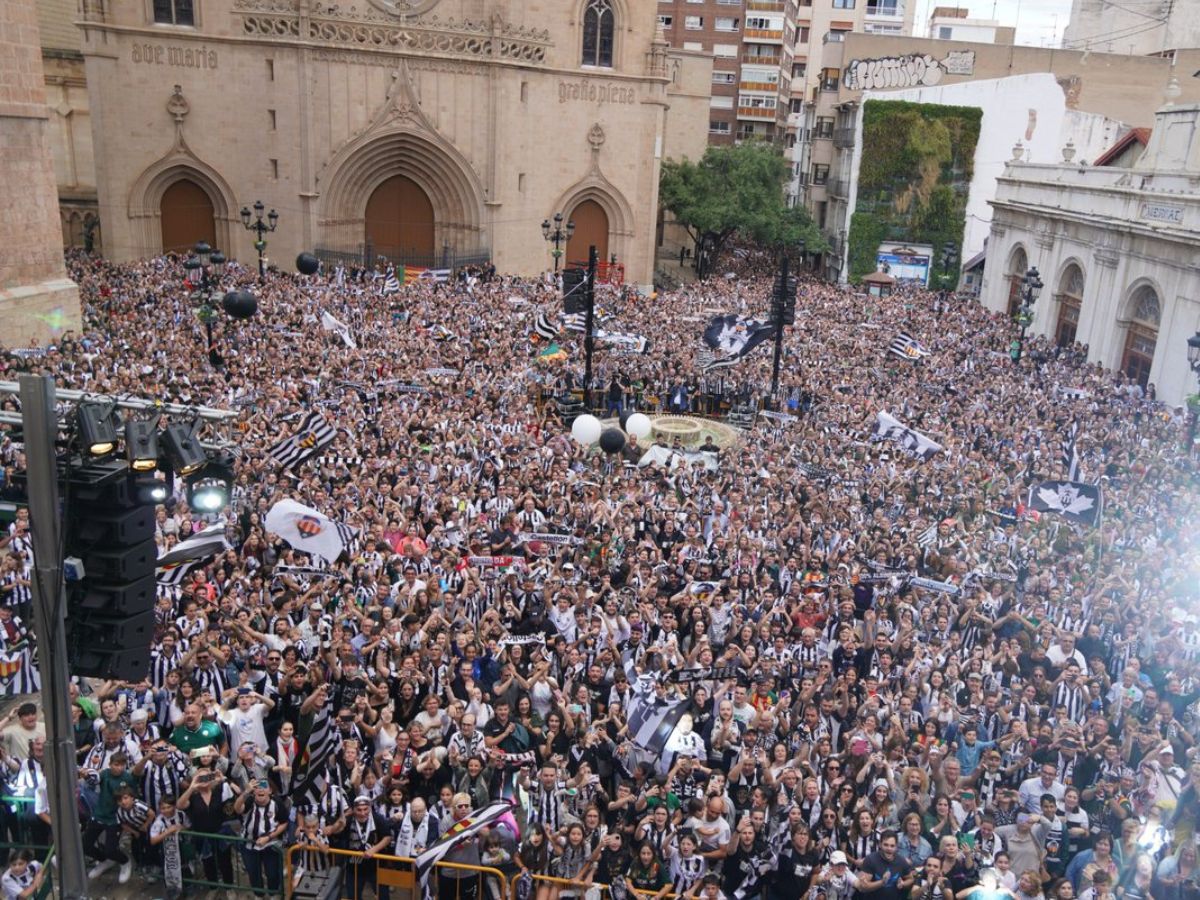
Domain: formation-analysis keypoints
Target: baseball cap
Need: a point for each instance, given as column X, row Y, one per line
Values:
column 837, row 858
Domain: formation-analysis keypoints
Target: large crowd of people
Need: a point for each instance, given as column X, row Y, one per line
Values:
column 898, row 680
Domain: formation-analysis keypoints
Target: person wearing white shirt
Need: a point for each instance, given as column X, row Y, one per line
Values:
column 245, row 719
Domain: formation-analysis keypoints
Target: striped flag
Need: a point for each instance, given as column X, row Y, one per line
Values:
column 545, row 328
column 709, row 360
column 467, row 827
column 314, row 435
column 906, row 346
column 928, row 537
column 439, row 276
column 308, row 771
column 1070, row 455
column 349, row 537
column 339, row 276
column 184, row 557
column 391, row 284
column 652, row 721
column 576, row 322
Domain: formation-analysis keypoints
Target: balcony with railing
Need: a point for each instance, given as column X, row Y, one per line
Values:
column 757, row 113
column 886, row 11
column 838, row 187
column 766, row 6
column 754, row 59
column 764, row 87
column 763, row 35
column 843, row 138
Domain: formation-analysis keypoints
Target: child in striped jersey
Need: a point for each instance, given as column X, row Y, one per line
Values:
column 23, row 877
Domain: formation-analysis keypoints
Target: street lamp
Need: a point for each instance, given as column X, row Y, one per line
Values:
column 260, row 227
column 949, row 258
column 1193, row 408
column 204, row 267
column 557, row 235
column 1031, row 287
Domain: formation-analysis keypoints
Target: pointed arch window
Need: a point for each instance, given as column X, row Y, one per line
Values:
column 599, row 26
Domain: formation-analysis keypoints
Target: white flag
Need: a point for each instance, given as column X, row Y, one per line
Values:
column 329, row 323
column 306, row 530
column 889, row 428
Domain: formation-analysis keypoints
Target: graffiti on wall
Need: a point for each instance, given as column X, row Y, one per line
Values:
column 913, row 70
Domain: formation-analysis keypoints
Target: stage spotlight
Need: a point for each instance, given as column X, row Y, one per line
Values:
column 209, row 489
column 141, row 443
column 150, row 490
column 208, row 495
column 184, row 452
column 97, row 432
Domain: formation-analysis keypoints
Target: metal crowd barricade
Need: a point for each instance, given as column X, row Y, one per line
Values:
column 580, row 886
column 191, row 843
column 397, row 873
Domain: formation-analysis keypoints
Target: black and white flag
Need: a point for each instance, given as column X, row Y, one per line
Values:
column 391, row 284
column 1072, row 500
column 889, row 428
column 708, row 360
column 315, row 735
column 906, row 346
column 314, row 435
column 545, row 328
column 576, row 322
column 172, row 567
column 735, row 336
column 928, row 537
column 464, row 829
column 1070, row 455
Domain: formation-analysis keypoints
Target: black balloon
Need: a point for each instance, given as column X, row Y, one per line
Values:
column 307, row 264
column 240, row 304
column 612, row 440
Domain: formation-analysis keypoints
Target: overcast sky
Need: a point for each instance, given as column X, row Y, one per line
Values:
column 1040, row 23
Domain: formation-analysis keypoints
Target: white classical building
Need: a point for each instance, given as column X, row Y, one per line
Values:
column 1116, row 249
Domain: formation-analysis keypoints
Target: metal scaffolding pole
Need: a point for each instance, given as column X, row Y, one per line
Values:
column 49, row 604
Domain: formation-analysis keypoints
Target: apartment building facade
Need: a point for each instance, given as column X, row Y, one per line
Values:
column 1080, row 89
column 752, row 46
column 814, row 130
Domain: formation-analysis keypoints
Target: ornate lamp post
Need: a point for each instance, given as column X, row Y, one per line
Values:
column 204, row 267
column 1031, row 287
column 260, row 228
column 558, row 235
column 1193, row 351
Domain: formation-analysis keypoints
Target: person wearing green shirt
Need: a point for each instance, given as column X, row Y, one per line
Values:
column 195, row 731
column 102, row 835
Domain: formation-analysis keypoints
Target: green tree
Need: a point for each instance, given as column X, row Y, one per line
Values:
column 735, row 190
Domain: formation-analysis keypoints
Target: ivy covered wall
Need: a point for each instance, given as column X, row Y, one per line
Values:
column 916, row 168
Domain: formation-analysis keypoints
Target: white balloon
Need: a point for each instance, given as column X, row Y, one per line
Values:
column 586, row 429
column 638, row 425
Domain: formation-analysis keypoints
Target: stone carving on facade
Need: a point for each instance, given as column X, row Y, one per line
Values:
column 403, row 104
column 177, row 105
column 350, row 26
column 405, row 7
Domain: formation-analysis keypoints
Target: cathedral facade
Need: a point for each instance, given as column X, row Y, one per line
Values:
column 423, row 131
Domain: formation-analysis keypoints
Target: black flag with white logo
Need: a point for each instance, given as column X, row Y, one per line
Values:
column 1070, row 499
